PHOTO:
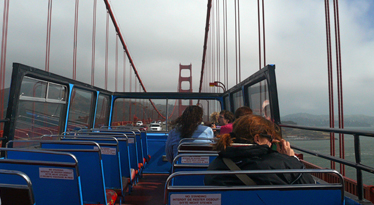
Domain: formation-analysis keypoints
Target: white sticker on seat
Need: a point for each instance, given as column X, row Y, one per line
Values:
column 195, row 160
column 195, row 199
column 55, row 173
column 107, row 150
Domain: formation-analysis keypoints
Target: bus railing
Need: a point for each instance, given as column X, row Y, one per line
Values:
column 357, row 151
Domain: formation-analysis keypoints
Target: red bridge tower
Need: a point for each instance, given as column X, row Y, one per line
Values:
column 183, row 89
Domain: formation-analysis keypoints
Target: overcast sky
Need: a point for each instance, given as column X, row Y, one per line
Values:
column 161, row 34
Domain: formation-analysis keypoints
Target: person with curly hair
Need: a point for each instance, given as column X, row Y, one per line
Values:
column 188, row 125
column 249, row 148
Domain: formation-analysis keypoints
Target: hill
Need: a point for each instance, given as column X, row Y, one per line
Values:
column 305, row 119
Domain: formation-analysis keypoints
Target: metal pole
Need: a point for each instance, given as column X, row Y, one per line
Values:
column 360, row 187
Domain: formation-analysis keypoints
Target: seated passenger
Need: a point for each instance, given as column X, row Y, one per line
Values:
column 188, row 125
column 248, row 146
column 241, row 111
column 226, row 118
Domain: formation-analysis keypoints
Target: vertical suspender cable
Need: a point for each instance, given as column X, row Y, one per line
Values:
column 93, row 43
column 263, row 31
column 259, row 34
column 124, row 72
column 218, row 42
column 236, row 44
column 106, row 50
column 124, row 85
column 130, row 88
column 75, row 40
column 48, row 39
column 4, row 41
column 213, row 46
column 330, row 80
column 116, row 67
column 226, row 48
column 115, row 114
column 240, row 64
column 224, row 41
column 339, row 83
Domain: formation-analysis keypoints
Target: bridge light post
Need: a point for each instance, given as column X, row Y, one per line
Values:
column 218, row 84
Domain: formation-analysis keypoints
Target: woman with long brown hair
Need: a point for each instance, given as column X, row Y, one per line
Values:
column 249, row 148
column 188, row 125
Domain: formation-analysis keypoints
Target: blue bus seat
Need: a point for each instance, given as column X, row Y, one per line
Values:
column 90, row 166
column 46, row 169
column 296, row 194
column 111, row 162
column 124, row 151
column 135, row 145
column 191, row 162
column 156, row 149
column 15, row 188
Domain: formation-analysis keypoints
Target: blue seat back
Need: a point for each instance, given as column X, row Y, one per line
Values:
column 256, row 194
column 128, row 153
column 111, row 160
column 191, row 162
column 90, row 167
column 156, row 148
column 46, row 173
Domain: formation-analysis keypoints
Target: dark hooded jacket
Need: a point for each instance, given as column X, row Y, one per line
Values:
column 257, row 157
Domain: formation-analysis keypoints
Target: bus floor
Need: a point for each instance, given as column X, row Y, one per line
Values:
column 149, row 190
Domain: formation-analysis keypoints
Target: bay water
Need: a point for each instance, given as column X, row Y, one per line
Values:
column 323, row 147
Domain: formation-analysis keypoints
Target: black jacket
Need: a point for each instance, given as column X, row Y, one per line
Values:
column 257, row 157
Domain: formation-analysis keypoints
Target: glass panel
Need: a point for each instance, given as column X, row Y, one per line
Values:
column 37, row 118
column 56, row 92
column 80, row 107
column 102, row 113
column 143, row 112
column 33, row 88
column 238, row 99
column 258, row 96
column 121, row 112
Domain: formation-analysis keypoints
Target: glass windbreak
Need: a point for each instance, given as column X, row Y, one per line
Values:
column 238, row 99
column 33, row 88
column 56, row 92
column 258, row 96
column 143, row 112
column 80, row 108
column 36, row 115
column 102, row 111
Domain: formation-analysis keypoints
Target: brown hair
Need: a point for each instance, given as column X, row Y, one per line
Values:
column 228, row 115
column 245, row 129
column 243, row 111
column 187, row 123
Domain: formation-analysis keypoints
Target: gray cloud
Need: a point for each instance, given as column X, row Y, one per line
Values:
column 163, row 34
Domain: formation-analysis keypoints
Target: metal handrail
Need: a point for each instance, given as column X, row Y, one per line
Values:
column 357, row 164
column 23, row 176
column 253, row 187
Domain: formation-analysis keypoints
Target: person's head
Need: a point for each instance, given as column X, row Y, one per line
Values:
column 242, row 111
column 214, row 117
column 189, row 120
column 226, row 117
column 250, row 129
